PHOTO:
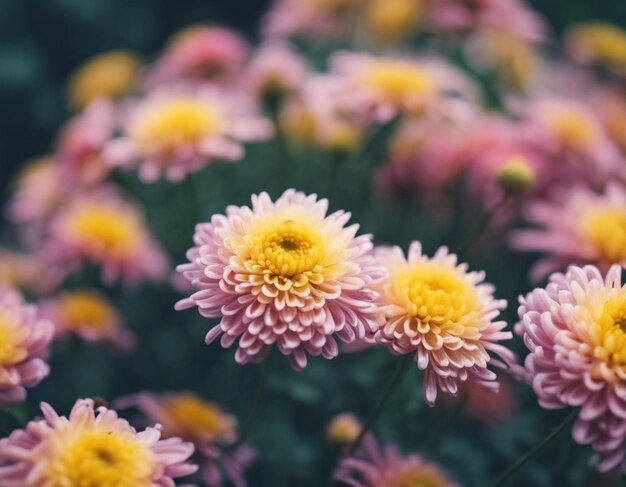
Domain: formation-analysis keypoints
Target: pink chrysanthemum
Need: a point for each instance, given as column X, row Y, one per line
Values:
column 91, row 447
column 386, row 467
column 444, row 315
column 378, row 88
column 575, row 331
column 581, row 227
column 204, row 424
column 175, row 132
column 90, row 316
column 283, row 273
column 24, row 271
column 25, row 339
column 103, row 229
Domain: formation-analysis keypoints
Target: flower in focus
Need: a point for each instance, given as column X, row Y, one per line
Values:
column 206, row 426
column 283, row 273
column 177, row 132
column 597, row 42
column 110, row 75
column 91, row 448
column 574, row 330
column 580, row 227
column 386, row 467
column 105, row 230
column 444, row 315
column 24, row 341
column 343, row 429
column 379, row 88
column 90, row 316
column 200, row 52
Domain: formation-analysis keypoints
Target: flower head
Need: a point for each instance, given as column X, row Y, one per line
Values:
column 211, row 430
column 177, row 132
column 91, row 447
column 343, row 429
column 444, row 315
column 580, row 227
column 597, row 42
column 574, row 330
column 23, row 271
column 283, row 273
column 90, row 316
column 390, row 20
column 386, row 467
column 102, row 229
column 24, row 341
column 110, row 75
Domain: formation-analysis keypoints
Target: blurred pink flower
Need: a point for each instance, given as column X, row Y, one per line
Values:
column 24, row 271
column 174, row 132
column 211, row 430
column 373, row 466
column 89, row 315
column 283, row 273
column 91, row 448
column 574, row 330
column 487, row 406
column 443, row 315
column 200, row 52
column 103, row 229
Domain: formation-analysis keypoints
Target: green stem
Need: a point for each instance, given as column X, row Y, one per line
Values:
column 391, row 386
column 256, row 407
column 485, row 220
column 531, row 453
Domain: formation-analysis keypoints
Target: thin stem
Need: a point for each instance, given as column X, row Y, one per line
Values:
column 485, row 220
column 256, row 407
column 531, row 453
column 448, row 421
column 391, row 386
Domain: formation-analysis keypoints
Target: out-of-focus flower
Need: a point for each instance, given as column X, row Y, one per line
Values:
column 597, row 42
column 25, row 339
column 374, row 466
column 486, row 406
column 200, row 52
column 90, row 316
column 574, row 329
column 206, row 425
column 283, row 273
column 110, row 75
column 343, row 429
column 276, row 70
column 23, row 271
column 436, row 310
column 581, row 227
column 390, row 20
column 610, row 104
column 81, row 141
column 177, row 132
column 516, row 175
column 91, row 448
column 379, row 88
column 102, row 229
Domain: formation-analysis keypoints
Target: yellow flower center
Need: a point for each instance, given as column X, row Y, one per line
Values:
column 397, row 80
column 175, row 123
column 192, row 417
column 86, row 309
column 603, row 41
column 106, row 229
column 392, row 18
column 608, row 336
column 11, row 337
column 98, row 458
column 572, row 128
column 606, row 229
column 414, row 477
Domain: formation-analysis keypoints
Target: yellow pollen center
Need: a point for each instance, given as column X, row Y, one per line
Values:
column 11, row 337
column 414, row 477
column 397, row 80
column 173, row 124
column 86, row 309
column 192, row 417
column 99, row 458
column 606, row 229
column 609, row 334
column 572, row 128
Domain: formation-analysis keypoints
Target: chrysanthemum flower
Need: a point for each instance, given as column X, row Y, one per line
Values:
column 597, row 42
column 88, row 315
column 23, row 271
column 390, row 20
column 343, row 429
column 386, row 467
column 177, row 132
column 25, row 338
column 574, row 329
column 110, row 75
column 378, row 88
column 283, row 273
column 105, row 230
column 610, row 105
column 580, row 227
column 91, row 447
column 436, row 310
column 211, row 430
column 200, row 52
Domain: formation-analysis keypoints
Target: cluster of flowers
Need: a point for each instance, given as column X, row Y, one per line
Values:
column 287, row 275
